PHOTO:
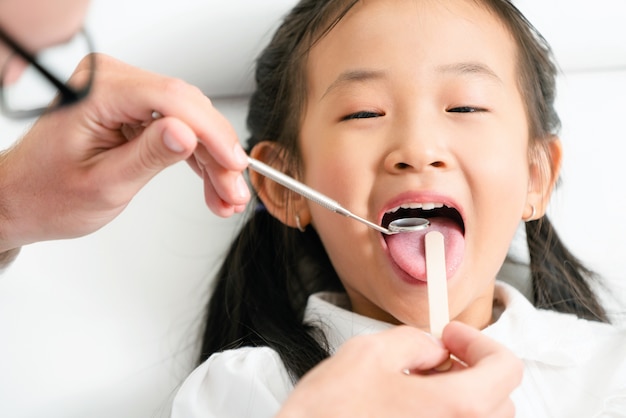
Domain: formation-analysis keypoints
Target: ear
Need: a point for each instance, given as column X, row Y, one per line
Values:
column 288, row 207
column 545, row 166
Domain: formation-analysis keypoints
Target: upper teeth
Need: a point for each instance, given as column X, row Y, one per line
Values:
column 423, row 206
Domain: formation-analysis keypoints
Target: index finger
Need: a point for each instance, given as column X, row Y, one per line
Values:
column 484, row 356
column 132, row 94
column 400, row 348
column 212, row 129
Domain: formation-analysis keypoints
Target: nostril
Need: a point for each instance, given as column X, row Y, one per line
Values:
column 402, row 166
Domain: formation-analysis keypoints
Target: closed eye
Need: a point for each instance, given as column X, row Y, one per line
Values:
column 362, row 115
column 466, row 109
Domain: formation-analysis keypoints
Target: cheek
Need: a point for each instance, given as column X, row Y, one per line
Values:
column 339, row 179
column 498, row 213
column 496, row 159
column 336, row 170
column 498, row 176
column 500, row 186
column 334, row 167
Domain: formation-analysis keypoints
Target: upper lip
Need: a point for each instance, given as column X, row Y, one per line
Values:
column 423, row 205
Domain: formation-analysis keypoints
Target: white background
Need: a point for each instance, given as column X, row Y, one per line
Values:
column 106, row 325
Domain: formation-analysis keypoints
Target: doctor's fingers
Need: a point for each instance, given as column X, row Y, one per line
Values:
column 126, row 94
column 493, row 370
column 398, row 349
column 225, row 192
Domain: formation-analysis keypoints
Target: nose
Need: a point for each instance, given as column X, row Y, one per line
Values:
column 417, row 147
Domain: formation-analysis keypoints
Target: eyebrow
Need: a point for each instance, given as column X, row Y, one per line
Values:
column 354, row 76
column 469, row 68
column 459, row 68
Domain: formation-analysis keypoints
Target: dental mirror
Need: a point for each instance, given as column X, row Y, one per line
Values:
column 397, row 226
column 408, row 225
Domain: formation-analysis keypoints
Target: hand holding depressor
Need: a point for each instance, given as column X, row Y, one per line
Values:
column 366, row 377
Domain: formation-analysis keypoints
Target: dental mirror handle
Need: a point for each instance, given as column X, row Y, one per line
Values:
column 309, row 193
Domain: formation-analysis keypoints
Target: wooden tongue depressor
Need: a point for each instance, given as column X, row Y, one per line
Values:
column 437, row 282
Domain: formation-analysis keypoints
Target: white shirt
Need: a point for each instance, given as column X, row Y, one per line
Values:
column 573, row 367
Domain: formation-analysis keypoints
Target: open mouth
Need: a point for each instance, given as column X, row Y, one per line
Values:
column 423, row 210
column 408, row 251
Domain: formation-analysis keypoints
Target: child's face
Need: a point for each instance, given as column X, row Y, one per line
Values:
column 410, row 72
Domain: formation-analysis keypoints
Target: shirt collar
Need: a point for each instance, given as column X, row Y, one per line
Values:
column 331, row 312
column 539, row 335
column 542, row 336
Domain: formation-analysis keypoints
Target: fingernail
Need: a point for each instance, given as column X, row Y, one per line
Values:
column 445, row 366
column 171, row 143
column 240, row 208
column 240, row 155
column 242, row 188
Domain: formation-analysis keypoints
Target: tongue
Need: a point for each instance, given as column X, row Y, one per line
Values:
column 407, row 249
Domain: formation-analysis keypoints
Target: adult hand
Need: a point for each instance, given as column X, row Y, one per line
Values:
column 78, row 167
column 366, row 378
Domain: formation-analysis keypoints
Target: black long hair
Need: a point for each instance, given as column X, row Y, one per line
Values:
column 559, row 280
column 263, row 285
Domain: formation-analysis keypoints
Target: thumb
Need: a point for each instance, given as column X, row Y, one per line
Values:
column 161, row 144
column 467, row 343
column 406, row 347
column 116, row 174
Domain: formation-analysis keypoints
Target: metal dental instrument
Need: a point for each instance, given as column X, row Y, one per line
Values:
column 395, row 227
column 408, row 224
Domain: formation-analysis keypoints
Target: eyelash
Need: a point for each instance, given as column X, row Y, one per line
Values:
column 465, row 109
column 367, row 115
column 362, row 115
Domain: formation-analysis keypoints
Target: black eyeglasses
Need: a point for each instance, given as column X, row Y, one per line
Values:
column 43, row 85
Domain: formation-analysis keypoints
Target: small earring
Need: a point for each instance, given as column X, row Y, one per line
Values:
column 298, row 224
column 532, row 214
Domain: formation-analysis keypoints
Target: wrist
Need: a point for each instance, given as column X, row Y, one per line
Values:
column 7, row 257
column 8, row 249
column 7, row 243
